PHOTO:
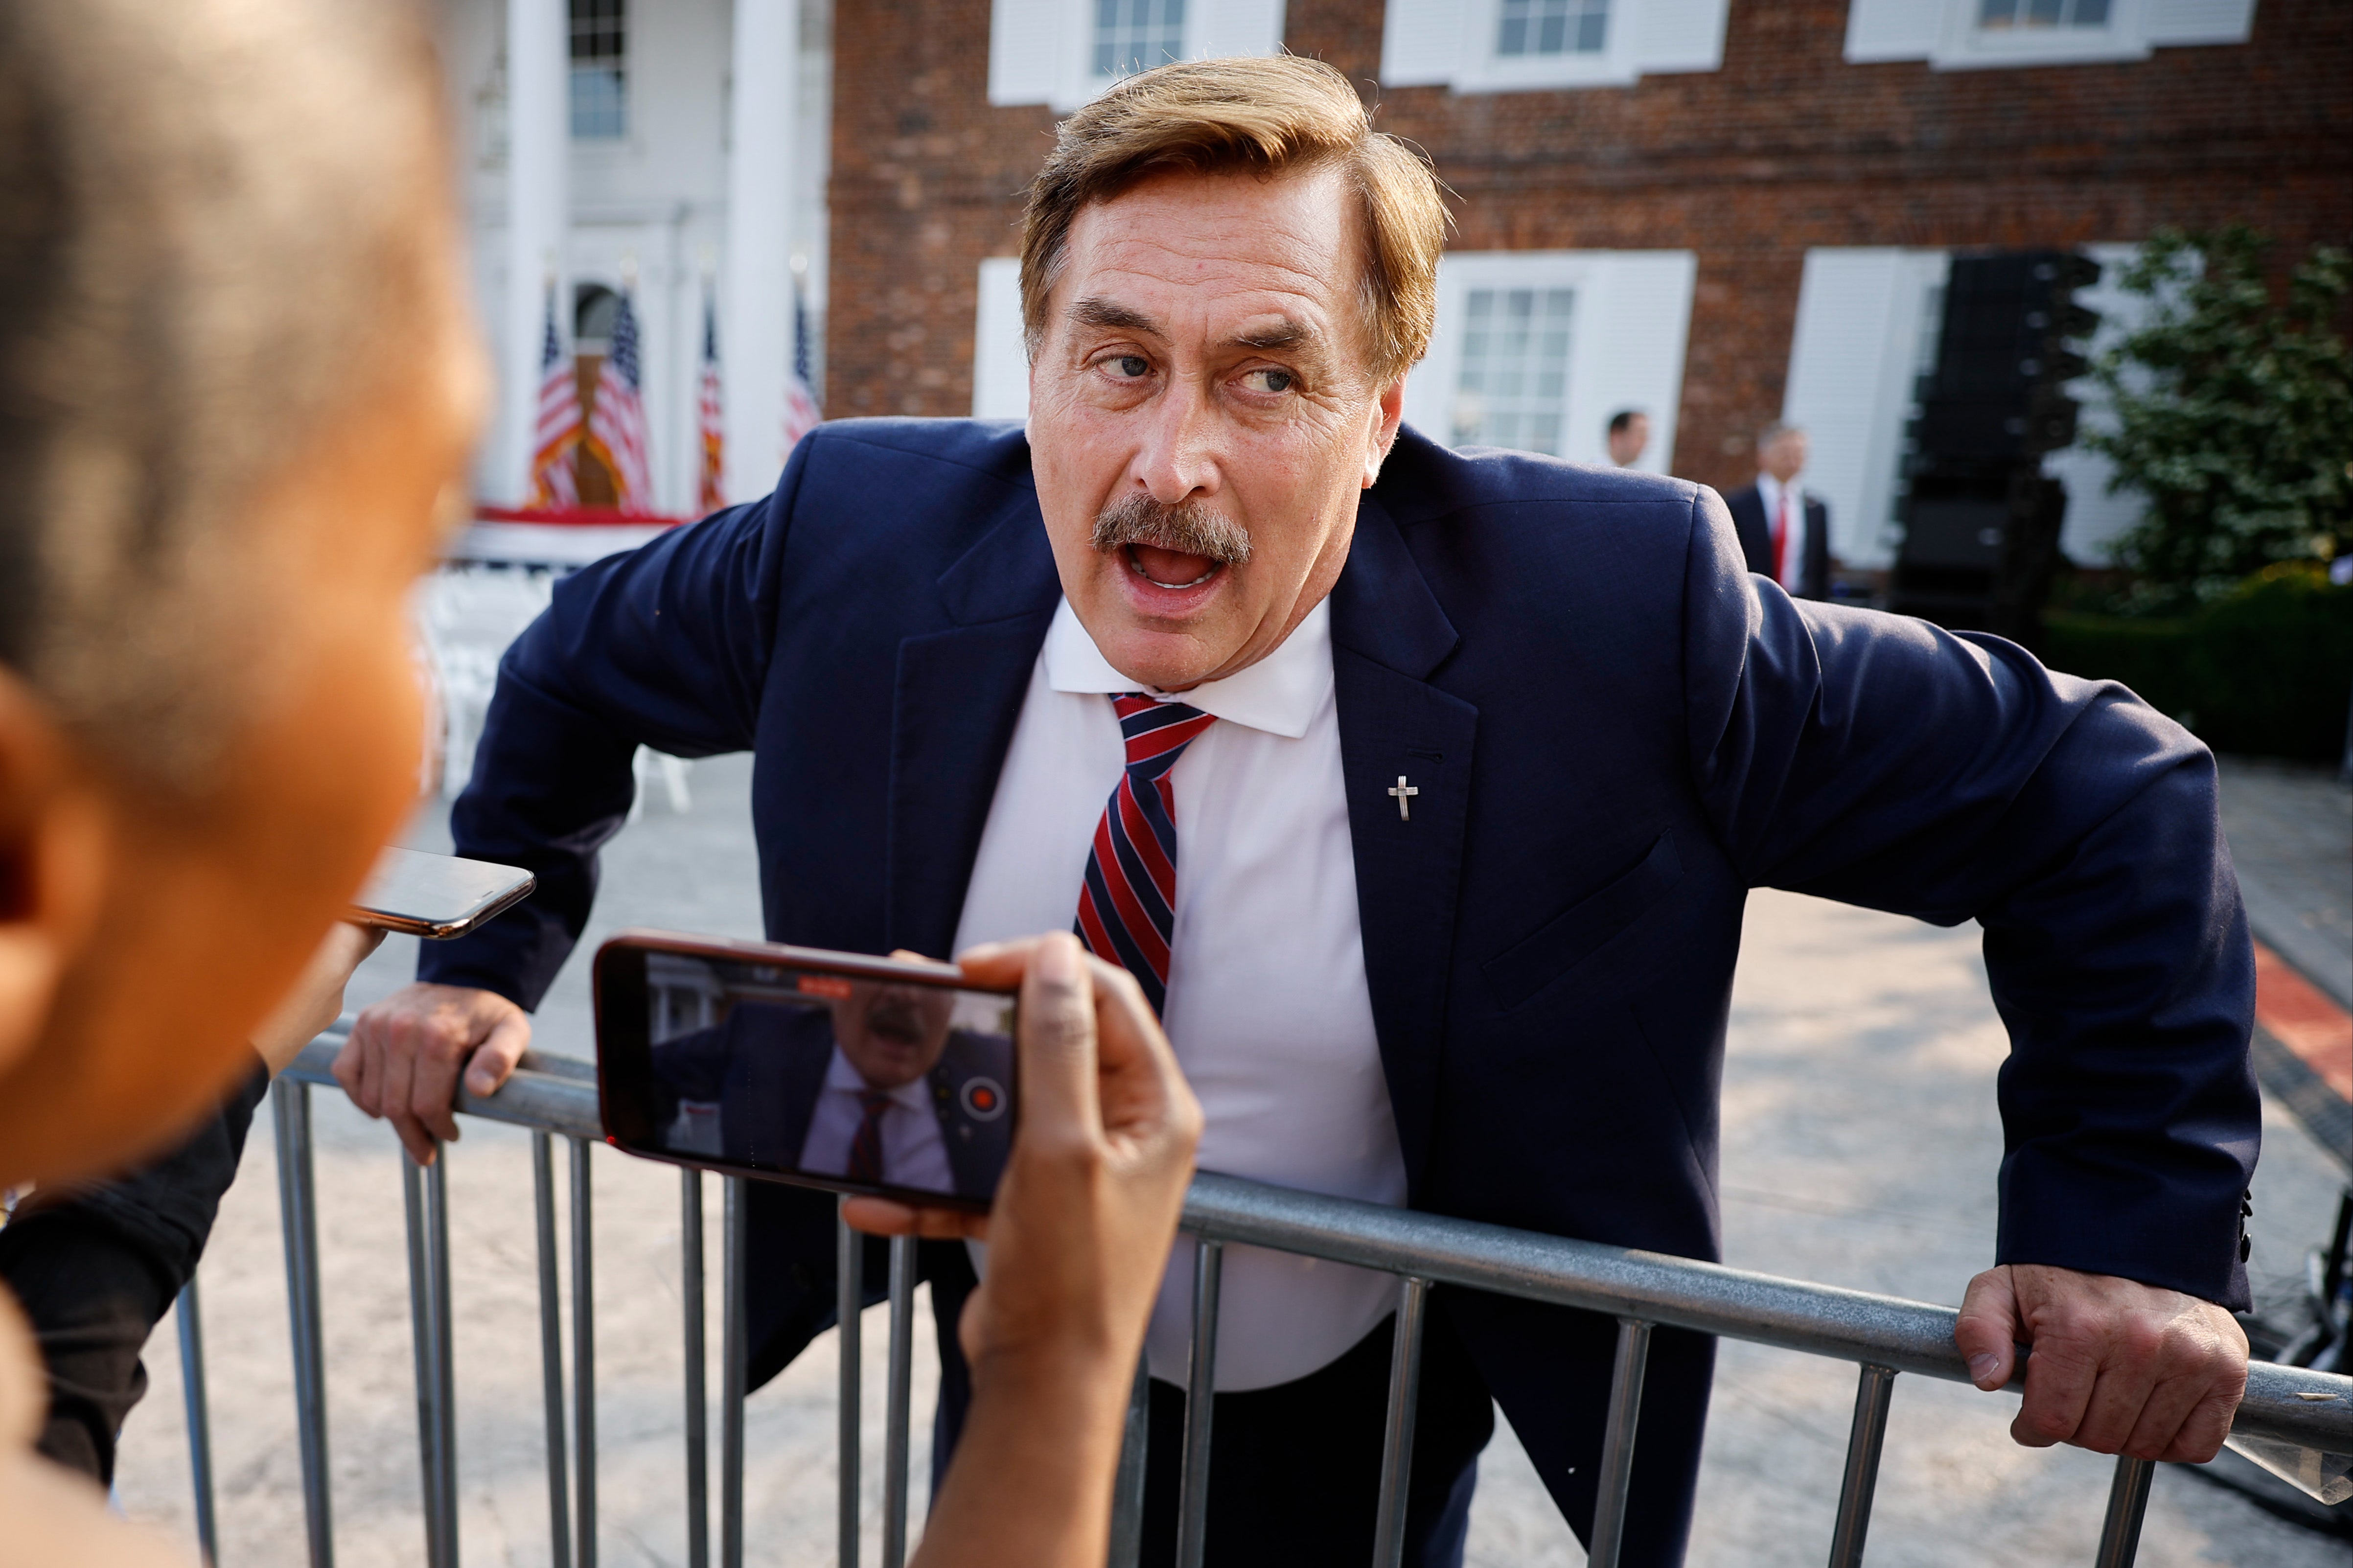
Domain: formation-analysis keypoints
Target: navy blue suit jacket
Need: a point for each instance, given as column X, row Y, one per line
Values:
column 1617, row 732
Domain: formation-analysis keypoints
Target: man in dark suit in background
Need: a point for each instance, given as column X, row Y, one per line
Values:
column 876, row 1087
column 1784, row 532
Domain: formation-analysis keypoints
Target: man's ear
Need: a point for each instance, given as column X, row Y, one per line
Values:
column 1388, row 413
column 53, row 854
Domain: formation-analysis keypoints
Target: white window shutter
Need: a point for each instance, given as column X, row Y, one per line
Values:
column 1229, row 28
column 1892, row 30
column 1000, row 367
column 1678, row 35
column 1026, row 50
column 1631, row 325
column 2198, row 21
column 1420, row 40
column 1849, row 359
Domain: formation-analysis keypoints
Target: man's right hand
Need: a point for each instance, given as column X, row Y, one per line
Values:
column 405, row 1052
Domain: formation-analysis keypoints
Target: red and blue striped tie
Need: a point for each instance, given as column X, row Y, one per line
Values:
column 1127, row 910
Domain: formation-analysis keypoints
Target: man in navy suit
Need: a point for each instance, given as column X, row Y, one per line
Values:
column 875, row 1086
column 1422, row 792
column 1784, row 532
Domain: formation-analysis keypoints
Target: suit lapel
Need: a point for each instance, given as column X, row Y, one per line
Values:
column 1389, row 634
column 956, row 699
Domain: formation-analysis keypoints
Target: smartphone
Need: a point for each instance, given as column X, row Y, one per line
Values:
column 793, row 1064
column 437, row 896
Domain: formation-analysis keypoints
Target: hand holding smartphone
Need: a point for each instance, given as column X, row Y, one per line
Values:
column 874, row 1075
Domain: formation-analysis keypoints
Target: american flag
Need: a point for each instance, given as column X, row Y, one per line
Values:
column 554, row 482
column 708, row 418
column 801, row 415
column 617, row 421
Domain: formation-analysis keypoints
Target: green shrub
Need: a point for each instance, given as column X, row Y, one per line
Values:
column 2266, row 668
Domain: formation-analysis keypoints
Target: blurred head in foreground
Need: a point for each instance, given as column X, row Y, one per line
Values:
column 236, row 390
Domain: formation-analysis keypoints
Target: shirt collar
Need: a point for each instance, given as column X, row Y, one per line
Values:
column 840, row 1075
column 1279, row 694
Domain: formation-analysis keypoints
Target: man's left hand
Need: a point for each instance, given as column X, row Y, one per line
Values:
column 2118, row 1367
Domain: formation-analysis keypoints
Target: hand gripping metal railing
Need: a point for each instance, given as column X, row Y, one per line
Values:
column 2284, row 1407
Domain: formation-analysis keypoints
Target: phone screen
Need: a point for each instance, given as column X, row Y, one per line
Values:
column 856, row 1074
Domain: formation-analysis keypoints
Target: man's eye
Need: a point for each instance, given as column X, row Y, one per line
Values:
column 1132, row 367
column 1269, row 380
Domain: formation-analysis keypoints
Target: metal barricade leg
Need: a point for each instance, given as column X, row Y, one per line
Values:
column 697, row 1426
column 849, row 1306
column 1869, row 1434
column 1200, row 1400
column 445, row 1353
column 200, row 1423
column 583, row 1360
column 734, row 1356
column 1617, row 1443
column 1397, row 1438
column 551, row 1350
column 290, row 1105
column 894, row 1412
column 2127, row 1504
column 420, row 1341
column 1127, row 1486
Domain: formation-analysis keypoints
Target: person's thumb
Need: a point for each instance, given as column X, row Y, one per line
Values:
column 1986, row 1333
column 494, row 1060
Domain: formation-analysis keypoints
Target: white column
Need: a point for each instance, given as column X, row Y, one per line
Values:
column 756, row 307
column 539, row 152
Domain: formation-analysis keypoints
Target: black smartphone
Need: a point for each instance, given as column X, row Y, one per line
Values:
column 437, row 896
column 793, row 1064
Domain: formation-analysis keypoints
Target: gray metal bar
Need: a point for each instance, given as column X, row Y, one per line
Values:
column 1127, row 1485
column 200, row 1421
column 2284, row 1403
column 1868, row 1435
column 1397, row 1438
column 445, row 1356
column 734, row 1356
column 849, row 1311
column 698, row 1420
column 895, row 1410
column 1200, row 1405
column 551, row 1350
column 420, row 1344
column 2127, row 1503
column 583, row 1360
column 1617, row 1442
column 290, row 1105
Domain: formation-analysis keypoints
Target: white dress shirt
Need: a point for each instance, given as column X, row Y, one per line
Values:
column 1266, row 1004
column 914, row 1152
column 1793, row 556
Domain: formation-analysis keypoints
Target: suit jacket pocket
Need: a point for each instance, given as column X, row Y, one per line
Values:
column 1571, row 937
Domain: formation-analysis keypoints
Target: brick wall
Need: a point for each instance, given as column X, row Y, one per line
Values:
column 1785, row 148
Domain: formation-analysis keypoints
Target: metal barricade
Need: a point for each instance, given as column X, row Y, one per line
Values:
column 1883, row 1336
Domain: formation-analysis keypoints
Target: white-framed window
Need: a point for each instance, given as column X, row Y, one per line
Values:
column 1525, row 45
column 1867, row 330
column 600, row 69
column 1978, row 34
column 1061, row 53
column 1536, row 349
column 1000, row 363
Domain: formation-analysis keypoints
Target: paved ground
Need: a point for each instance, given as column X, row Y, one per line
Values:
column 2291, row 831
column 1860, row 1149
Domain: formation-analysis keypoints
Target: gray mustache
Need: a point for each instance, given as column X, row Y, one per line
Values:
column 1188, row 527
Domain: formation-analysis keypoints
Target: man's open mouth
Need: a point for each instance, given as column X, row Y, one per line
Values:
column 1173, row 569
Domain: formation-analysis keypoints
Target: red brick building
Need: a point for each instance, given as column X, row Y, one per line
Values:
column 1738, row 208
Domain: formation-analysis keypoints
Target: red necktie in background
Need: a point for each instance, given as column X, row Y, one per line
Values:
column 1781, row 538
column 1128, row 909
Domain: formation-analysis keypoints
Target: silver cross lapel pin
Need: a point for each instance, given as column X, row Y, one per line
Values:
column 1404, row 792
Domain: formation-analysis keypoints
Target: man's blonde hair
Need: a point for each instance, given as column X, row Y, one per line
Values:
column 1267, row 116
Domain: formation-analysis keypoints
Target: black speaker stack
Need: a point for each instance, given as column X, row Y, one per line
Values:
column 1980, row 519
